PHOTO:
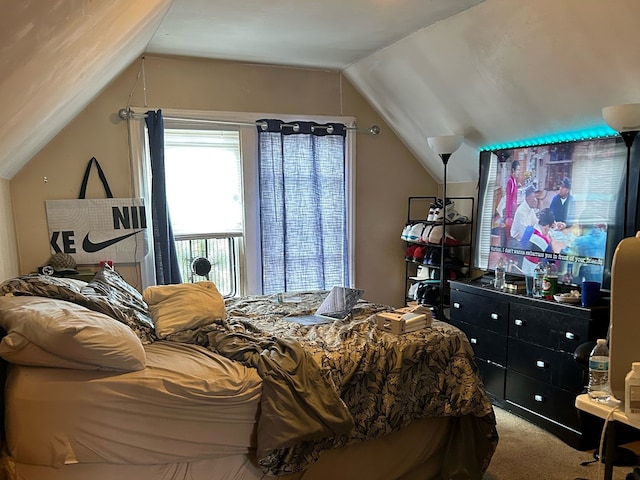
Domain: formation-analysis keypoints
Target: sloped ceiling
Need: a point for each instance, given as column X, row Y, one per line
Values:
column 505, row 71
column 56, row 57
column 493, row 70
column 328, row 34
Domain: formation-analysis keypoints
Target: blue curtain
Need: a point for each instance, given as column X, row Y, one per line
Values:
column 167, row 271
column 303, row 211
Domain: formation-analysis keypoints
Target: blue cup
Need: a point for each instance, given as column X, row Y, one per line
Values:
column 590, row 293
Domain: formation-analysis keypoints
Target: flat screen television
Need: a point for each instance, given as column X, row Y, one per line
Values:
column 561, row 202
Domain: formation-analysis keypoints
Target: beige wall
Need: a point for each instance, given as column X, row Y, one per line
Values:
column 386, row 172
column 8, row 248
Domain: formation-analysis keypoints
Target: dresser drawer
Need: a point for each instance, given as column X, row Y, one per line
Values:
column 547, row 327
column 546, row 365
column 493, row 377
column 485, row 312
column 486, row 344
column 542, row 398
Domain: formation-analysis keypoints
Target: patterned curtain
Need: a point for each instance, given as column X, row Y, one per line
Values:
column 302, row 205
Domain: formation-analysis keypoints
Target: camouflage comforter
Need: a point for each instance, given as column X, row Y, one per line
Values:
column 328, row 385
column 385, row 380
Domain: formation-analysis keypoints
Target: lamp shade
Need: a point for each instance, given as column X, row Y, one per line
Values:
column 623, row 118
column 445, row 144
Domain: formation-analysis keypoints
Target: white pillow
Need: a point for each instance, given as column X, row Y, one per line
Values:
column 19, row 350
column 69, row 331
column 175, row 308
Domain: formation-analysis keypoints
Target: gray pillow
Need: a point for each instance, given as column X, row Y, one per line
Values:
column 70, row 332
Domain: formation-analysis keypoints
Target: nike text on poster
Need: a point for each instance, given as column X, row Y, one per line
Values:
column 93, row 229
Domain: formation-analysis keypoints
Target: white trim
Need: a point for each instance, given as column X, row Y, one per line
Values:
column 140, row 170
column 350, row 171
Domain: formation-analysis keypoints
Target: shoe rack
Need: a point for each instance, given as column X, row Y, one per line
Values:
column 425, row 246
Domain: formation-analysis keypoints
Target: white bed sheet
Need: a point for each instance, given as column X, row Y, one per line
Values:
column 188, row 404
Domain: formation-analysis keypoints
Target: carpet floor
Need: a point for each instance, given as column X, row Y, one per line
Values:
column 526, row 452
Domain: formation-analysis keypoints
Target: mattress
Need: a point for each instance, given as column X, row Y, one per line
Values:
column 188, row 404
column 414, row 453
column 286, row 398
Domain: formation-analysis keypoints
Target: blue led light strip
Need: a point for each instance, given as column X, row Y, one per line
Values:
column 586, row 134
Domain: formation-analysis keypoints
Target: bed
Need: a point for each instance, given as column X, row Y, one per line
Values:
column 103, row 382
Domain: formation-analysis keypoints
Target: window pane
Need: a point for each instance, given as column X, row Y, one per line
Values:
column 203, row 179
column 204, row 195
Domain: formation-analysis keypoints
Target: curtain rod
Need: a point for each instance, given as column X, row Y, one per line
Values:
column 126, row 114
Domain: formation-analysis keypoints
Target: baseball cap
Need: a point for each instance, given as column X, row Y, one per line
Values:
column 566, row 183
column 60, row 264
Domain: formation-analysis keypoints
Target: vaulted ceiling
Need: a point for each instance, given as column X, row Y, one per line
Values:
column 492, row 70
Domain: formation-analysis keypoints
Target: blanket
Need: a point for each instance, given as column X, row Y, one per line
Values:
column 328, row 385
column 385, row 380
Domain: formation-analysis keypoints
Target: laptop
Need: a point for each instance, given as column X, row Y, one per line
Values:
column 337, row 305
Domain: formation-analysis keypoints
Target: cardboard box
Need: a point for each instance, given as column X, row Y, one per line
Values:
column 403, row 321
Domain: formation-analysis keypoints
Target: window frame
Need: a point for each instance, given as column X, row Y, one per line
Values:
column 244, row 122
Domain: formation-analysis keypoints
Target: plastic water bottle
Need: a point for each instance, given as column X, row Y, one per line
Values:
column 538, row 275
column 499, row 281
column 632, row 392
column 598, row 388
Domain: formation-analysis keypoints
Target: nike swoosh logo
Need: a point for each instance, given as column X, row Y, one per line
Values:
column 90, row 247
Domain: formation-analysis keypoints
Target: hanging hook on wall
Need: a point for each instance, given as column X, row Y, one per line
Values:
column 124, row 114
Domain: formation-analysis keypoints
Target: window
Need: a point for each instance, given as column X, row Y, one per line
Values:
column 303, row 206
column 247, row 238
column 204, row 194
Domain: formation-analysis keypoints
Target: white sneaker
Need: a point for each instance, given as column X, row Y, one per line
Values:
column 434, row 209
column 438, row 215
column 452, row 215
column 405, row 232
column 416, row 231
column 435, row 236
column 424, row 238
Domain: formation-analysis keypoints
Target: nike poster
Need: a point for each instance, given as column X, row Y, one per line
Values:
column 91, row 230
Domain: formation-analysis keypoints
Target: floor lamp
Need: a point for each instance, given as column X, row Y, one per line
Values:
column 624, row 119
column 444, row 146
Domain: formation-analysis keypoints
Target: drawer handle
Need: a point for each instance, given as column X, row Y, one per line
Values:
column 495, row 316
column 456, row 305
column 473, row 340
column 541, row 364
column 538, row 398
column 570, row 335
column 518, row 322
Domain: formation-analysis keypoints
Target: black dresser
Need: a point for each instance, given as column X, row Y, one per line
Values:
column 524, row 349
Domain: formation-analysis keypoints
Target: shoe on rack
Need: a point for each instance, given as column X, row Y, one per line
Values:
column 425, row 234
column 419, row 253
column 452, row 262
column 438, row 215
column 416, row 231
column 408, row 255
column 405, row 231
column 413, row 288
column 428, row 294
column 434, row 257
column 440, row 212
column 434, row 210
column 452, row 215
column 435, row 236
